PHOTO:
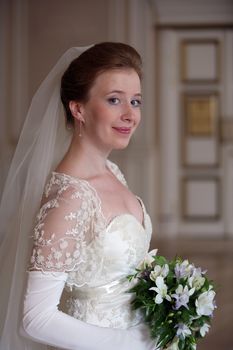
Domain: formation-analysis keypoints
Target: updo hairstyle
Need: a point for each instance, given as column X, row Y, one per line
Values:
column 80, row 76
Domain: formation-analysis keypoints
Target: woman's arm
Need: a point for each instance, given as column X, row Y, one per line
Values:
column 43, row 322
column 63, row 230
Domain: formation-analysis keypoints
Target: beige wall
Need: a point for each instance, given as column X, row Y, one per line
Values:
column 33, row 36
column 56, row 25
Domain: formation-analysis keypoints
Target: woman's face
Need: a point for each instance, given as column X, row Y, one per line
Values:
column 113, row 110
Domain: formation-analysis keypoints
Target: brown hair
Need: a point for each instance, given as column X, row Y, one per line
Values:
column 79, row 77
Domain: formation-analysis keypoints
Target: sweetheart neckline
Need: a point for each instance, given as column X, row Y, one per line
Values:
column 131, row 216
column 108, row 221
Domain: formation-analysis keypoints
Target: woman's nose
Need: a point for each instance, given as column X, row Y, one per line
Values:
column 127, row 113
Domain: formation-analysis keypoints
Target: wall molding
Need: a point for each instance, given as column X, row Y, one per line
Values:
column 197, row 13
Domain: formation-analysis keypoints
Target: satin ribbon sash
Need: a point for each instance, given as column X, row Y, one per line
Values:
column 118, row 286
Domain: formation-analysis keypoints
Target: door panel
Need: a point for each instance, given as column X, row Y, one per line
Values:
column 196, row 151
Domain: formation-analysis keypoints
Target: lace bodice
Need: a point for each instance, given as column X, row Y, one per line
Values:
column 72, row 235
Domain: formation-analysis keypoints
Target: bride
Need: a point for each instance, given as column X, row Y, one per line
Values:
column 90, row 231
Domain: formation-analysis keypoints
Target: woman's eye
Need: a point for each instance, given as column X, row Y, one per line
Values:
column 113, row 100
column 136, row 103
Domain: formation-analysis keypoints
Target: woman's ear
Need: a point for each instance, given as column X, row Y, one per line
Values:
column 76, row 110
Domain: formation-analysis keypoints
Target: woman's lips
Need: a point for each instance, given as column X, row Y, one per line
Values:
column 123, row 130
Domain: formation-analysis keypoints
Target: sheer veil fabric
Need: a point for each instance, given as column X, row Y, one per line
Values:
column 43, row 142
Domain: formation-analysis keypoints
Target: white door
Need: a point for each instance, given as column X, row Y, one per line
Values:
column 196, row 132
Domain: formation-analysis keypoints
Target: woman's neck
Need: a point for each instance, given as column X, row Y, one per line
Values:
column 83, row 159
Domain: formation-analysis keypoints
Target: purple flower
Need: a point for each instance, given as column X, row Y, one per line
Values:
column 183, row 270
column 182, row 296
column 182, row 330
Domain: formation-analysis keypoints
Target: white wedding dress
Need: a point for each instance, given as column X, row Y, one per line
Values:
column 75, row 247
column 73, row 237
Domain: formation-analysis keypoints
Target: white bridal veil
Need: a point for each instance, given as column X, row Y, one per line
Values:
column 43, row 142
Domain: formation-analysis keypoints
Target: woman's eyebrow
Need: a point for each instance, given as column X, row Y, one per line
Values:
column 122, row 92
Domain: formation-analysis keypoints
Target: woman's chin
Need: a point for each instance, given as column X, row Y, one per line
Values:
column 121, row 145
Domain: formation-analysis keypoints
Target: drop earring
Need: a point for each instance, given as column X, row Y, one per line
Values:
column 80, row 128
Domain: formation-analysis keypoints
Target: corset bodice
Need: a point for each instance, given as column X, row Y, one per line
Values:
column 105, row 300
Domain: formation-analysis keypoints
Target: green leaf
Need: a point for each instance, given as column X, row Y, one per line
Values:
column 160, row 260
column 181, row 344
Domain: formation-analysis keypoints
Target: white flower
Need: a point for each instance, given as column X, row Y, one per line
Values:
column 161, row 290
column 68, row 261
column 58, row 264
column 40, row 259
column 148, row 259
column 204, row 303
column 182, row 330
column 57, row 254
column 49, row 264
column 196, row 281
column 76, row 254
column 204, row 329
column 63, row 244
column 159, row 271
column 71, row 216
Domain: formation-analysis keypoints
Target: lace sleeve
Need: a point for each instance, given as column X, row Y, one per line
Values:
column 62, row 230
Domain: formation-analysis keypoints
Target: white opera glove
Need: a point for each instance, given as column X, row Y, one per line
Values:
column 43, row 322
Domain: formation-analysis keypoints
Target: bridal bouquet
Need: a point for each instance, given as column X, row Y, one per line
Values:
column 177, row 301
